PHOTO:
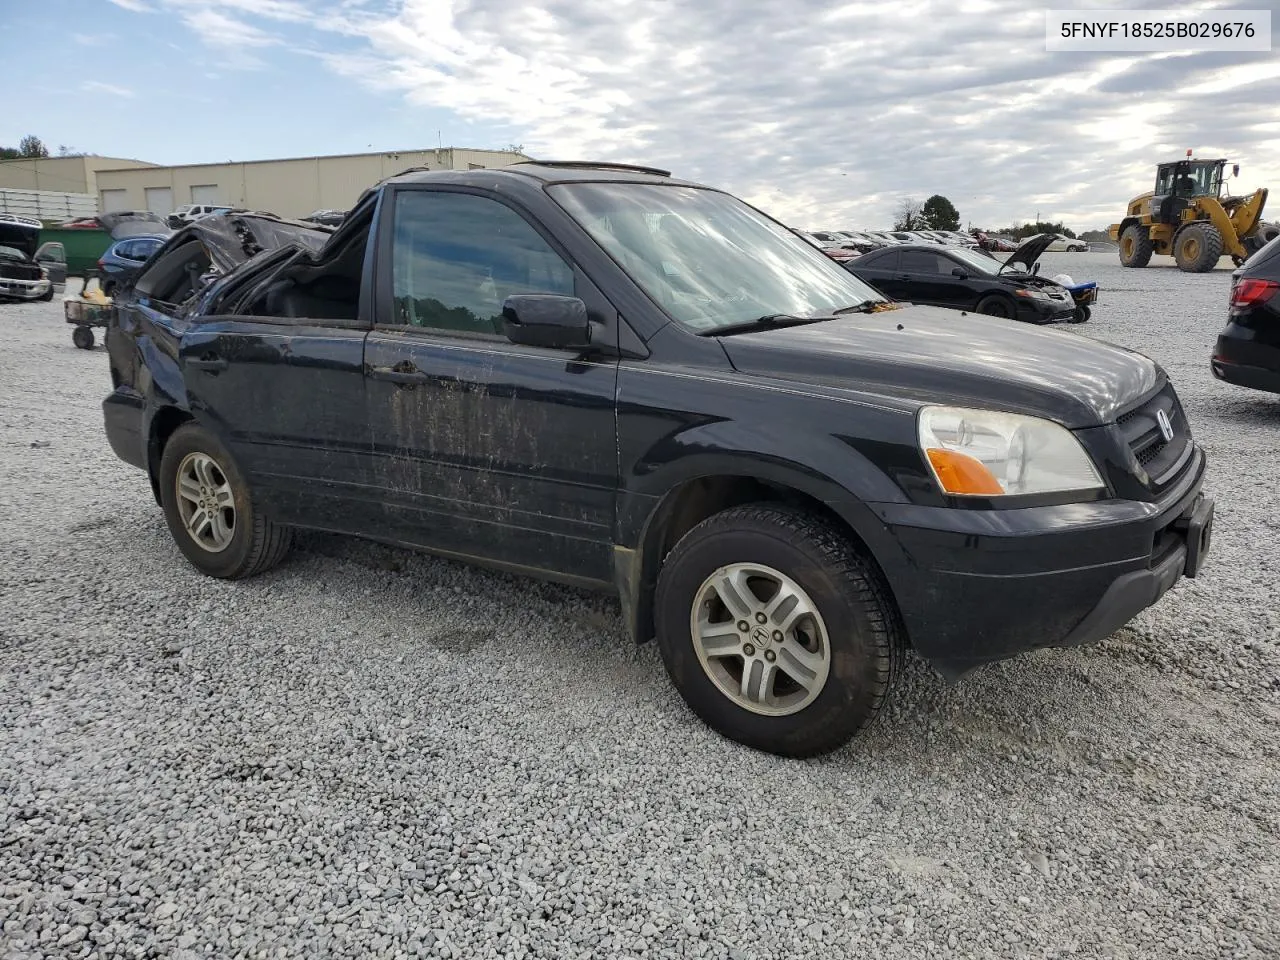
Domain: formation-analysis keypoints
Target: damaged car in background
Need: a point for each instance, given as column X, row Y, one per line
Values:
column 965, row 279
column 29, row 270
column 609, row 377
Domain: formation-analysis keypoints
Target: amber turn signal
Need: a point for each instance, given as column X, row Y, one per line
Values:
column 962, row 475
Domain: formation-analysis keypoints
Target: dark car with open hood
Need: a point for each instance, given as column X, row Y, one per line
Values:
column 964, row 279
column 1248, row 350
column 613, row 378
column 29, row 270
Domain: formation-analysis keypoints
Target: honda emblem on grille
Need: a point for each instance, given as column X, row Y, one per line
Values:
column 1166, row 428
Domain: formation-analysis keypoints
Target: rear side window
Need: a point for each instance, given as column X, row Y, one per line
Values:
column 456, row 257
column 879, row 259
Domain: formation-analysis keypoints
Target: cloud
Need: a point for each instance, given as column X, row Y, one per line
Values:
column 824, row 114
column 137, row 6
column 218, row 29
column 97, row 86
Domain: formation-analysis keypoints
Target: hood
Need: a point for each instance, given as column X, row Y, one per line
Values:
column 134, row 223
column 231, row 239
column 1029, row 251
column 931, row 355
column 21, row 233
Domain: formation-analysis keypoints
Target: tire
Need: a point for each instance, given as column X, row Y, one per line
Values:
column 82, row 337
column 48, row 296
column 855, row 640
column 1135, row 246
column 995, row 305
column 1081, row 315
column 1262, row 234
column 252, row 544
column 1197, row 248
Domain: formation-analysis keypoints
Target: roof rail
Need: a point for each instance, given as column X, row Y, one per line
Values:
column 594, row 165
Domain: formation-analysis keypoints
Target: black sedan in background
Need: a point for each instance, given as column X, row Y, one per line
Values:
column 1248, row 351
column 124, row 258
column 966, row 279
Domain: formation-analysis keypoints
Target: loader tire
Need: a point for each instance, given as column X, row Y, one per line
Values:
column 1197, row 248
column 1135, row 247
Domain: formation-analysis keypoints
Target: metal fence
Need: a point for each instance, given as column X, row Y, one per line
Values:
column 48, row 204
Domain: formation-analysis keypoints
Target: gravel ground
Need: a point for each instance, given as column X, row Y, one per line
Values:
column 374, row 753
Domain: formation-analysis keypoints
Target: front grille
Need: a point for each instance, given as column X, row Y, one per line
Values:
column 1140, row 427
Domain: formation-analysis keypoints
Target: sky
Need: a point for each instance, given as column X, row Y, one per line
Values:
column 825, row 113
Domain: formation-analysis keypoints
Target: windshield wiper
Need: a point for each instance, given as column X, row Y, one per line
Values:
column 866, row 306
column 770, row 321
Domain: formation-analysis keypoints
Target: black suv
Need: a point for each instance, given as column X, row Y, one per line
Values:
column 613, row 378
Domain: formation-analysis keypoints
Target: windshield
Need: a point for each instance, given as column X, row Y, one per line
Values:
column 9, row 253
column 977, row 262
column 707, row 258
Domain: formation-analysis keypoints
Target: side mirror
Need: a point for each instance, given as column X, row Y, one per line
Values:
column 1235, row 169
column 546, row 320
column 960, row 273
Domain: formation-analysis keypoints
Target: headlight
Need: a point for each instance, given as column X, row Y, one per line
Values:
column 1032, row 292
column 988, row 454
column 44, row 273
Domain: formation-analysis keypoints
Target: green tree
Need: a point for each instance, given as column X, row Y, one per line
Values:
column 939, row 213
column 32, row 146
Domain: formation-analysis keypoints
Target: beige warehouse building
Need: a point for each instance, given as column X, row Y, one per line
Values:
column 289, row 188
column 62, row 174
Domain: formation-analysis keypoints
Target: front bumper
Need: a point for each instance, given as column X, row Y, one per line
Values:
column 24, row 289
column 1035, row 310
column 976, row 586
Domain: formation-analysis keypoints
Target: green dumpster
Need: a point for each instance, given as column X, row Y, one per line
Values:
column 83, row 247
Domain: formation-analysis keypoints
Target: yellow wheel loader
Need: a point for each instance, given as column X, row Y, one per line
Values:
column 1189, row 216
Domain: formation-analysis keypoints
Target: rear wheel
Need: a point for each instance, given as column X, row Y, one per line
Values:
column 1135, row 246
column 1197, row 248
column 776, row 631
column 996, row 306
column 82, row 337
column 1262, row 234
column 210, row 512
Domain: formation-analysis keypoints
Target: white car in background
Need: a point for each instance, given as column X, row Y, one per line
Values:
column 1061, row 244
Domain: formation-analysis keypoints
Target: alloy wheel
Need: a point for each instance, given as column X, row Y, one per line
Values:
column 206, row 503
column 760, row 639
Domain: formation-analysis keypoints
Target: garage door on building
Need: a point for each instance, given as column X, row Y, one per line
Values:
column 113, row 200
column 208, row 193
column 159, row 200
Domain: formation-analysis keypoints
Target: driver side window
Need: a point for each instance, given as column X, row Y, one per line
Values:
column 456, row 257
column 922, row 261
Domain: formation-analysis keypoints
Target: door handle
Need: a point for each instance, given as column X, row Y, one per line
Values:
column 403, row 375
column 208, row 363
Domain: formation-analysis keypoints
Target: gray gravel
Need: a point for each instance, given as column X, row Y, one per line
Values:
column 374, row 753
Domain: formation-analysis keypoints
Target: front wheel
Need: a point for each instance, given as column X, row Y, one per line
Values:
column 210, row 512
column 996, row 306
column 776, row 630
column 82, row 337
